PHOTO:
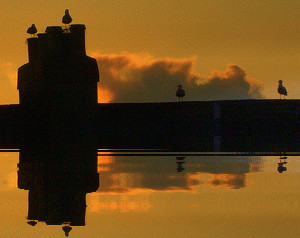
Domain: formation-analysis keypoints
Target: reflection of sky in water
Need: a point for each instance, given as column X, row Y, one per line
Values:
column 147, row 197
column 8, row 171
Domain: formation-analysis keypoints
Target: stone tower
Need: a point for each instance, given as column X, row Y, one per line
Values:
column 58, row 86
column 59, row 71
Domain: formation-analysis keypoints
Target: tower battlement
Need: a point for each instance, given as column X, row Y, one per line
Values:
column 59, row 71
column 56, row 41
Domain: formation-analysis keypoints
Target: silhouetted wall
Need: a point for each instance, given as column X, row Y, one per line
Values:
column 10, row 126
column 244, row 125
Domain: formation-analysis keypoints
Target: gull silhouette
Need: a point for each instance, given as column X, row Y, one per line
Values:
column 67, row 19
column 180, row 93
column 32, row 30
column 281, row 90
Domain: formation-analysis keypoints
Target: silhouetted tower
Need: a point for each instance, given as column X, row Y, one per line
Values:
column 58, row 87
column 59, row 71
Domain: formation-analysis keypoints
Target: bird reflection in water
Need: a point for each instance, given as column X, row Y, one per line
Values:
column 180, row 162
column 281, row 164
column 58, row 180
column 32, row 223
column 67, row 228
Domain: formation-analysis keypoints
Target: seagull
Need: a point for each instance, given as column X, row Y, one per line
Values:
column 281, row 90
column 180, row 93
column 32, row 30
column 67, row 19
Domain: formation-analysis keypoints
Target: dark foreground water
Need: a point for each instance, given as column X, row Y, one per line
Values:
column 172, row 196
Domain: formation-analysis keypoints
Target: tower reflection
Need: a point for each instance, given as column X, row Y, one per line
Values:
column 58, row 179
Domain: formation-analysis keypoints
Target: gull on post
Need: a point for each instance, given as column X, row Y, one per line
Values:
column 67, row 19
column 32, row 30
column 281, row 90
column 180, row 93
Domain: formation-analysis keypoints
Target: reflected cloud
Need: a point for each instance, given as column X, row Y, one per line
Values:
column 149, row 174
column 229, row 181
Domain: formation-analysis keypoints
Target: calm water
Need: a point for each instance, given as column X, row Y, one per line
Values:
column 160, row 196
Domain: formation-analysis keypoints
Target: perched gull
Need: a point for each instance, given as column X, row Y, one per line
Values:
column 281, row 90
column 180, row 92
column 67, row 19
column 32, row 30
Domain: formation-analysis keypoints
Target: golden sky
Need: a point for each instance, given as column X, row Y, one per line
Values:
column 260, row 36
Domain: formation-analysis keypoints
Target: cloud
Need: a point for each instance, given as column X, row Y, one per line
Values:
column 229, row 181
column 229, row 84
column 143, row 78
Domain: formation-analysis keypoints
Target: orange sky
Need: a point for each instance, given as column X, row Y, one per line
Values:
column 261, row 37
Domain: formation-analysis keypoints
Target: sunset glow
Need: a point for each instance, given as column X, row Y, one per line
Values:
column 150, row 119
column 105, row 95
column 124, row 203
column 262, row 39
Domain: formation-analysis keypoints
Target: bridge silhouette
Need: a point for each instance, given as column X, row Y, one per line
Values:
column 58, row 104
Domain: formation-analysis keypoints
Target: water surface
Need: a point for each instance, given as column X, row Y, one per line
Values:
column 161, row 196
